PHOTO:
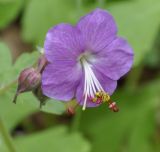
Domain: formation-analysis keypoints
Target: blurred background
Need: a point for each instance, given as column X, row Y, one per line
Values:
column 26, row 128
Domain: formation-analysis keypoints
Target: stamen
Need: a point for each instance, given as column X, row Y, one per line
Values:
column 101, row 96
column 91, row 84
column 113, row 106
column 104, row 97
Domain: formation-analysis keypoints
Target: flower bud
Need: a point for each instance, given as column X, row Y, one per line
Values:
column 29, row 79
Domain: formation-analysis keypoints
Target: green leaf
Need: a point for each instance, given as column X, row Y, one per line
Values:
column 53, row 106
column 9, row 10
column 57, row 139
column 41, row 15
column 12, row 113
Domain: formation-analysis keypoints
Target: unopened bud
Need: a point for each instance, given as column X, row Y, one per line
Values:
column 42, row 62
column 29, row 79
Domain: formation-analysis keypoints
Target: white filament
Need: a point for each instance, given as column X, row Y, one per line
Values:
column 91, row 84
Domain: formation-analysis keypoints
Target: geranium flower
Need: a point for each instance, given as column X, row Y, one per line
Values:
column 85, row 59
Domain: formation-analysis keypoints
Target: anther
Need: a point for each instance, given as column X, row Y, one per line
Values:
column 101, row 97
column 113, row 106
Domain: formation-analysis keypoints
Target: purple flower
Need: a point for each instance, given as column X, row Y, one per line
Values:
column 85, row 59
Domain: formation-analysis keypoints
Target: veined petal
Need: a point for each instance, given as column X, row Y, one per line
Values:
column 118, row 44
column 63, row 42
column 64, row 91
column 61, row 71
column 98, row 29
column 59, row 80
column 115, row 60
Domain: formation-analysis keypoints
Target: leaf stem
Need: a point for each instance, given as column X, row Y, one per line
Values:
column 6, row 137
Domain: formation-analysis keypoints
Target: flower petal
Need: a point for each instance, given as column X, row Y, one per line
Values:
column 98, row 29
column 59, row 80
column 108, row 85
column 115, row 60
column 64, row 91
column 63, row 42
